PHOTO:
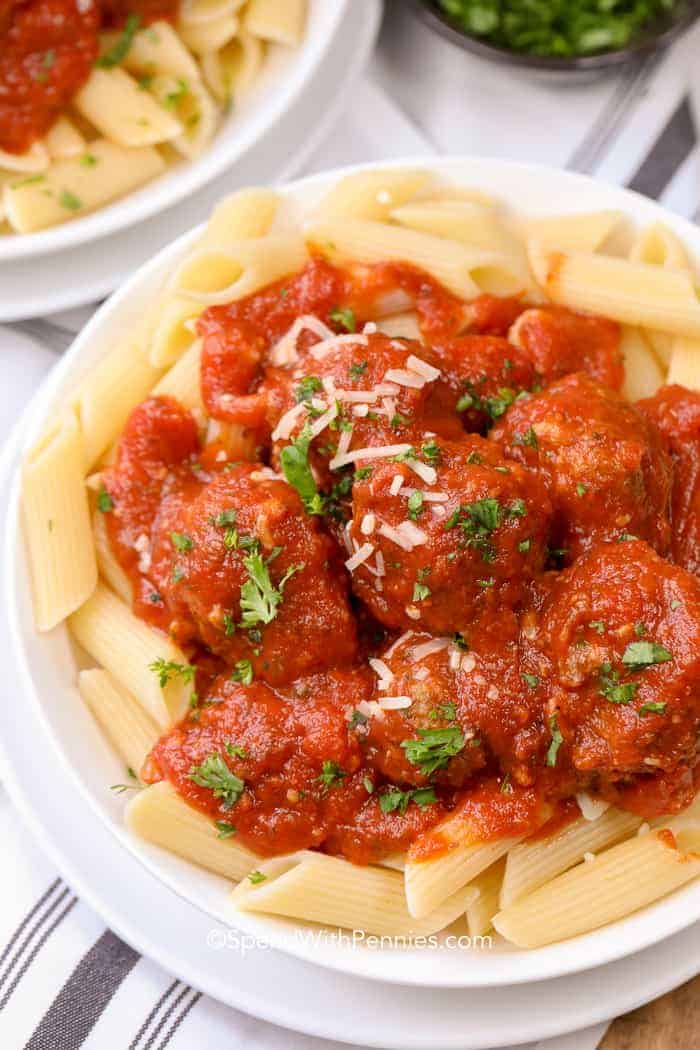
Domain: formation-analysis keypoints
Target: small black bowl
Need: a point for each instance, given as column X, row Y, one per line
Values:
column 658, row 34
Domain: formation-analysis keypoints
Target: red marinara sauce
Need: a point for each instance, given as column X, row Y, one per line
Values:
column 47, row 51
column 307, row 594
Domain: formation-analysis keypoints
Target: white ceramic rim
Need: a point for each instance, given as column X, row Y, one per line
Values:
column 186, row 177
column 645, row 928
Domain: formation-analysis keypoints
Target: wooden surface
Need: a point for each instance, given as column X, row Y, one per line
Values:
column 670, row 1023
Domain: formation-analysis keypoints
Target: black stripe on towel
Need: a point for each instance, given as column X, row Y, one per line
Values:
column 673, row 146
column 85, row 995
column 133, row 1045
column 34, row 941
column 194, row 999
column 27, row 919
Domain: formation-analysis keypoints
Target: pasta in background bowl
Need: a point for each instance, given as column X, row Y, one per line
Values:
column 586, row 255
column 166, row 107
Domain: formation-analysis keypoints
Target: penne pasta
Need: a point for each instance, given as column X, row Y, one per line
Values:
column 57, row 524
column 159, row 815
column 205, row 37
column 130, row 730
column 192, row 105
column 193, row 11
column 109, row 568
column 615, row 884
column 246, row 213
column 400, row 326
column 643, row 373
column 218, row 275
column 172, row 332
column 158, row 50
column 35, row 159
column 64, row 140
column 279, row 21
column 372, row 194
column 79, row 185
column 230, row 71
column 659, row 246
column 635, row 293
column 104, row 399
column 684, row 363
column 182, row 380
column 481, row 910
column 318, row 888
column 133, row 652
column 533, row 863
column 124, row 113
column 580, row 232
column 369, row 242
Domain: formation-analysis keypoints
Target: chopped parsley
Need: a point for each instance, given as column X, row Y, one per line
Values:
column 368, row 785
column 331, row 774
column 639, row 655
column 309, row 386
column 529, row 438
column 224, row 829
column 105, row 503
column 581, row 489
column 477, row 521
column 357, row 719
column 181, row 541
column 213, row 773
column 532, row 680
column 420, row 590
column 243, row 672
column 653, row 708
column 294, row 460
column 613, row 690
column 524, row 546
column 344, row 318
column 557, row 741
column 259, row 597
column 173, row 98
column 433, row 748
column 598, row 626
column 119, row 50
column 460, row 641
column 363, row 473
column 494, row 407
column 448, row 711
column 394, row 800
column 256, row 877
column 70, row 201
column 358, row 370
column 415, row 505
column 167, row 670
column 229, row 624
column 398, row 421
column 88, row 160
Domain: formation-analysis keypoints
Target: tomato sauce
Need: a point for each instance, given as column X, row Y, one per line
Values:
column 47, row 51
column 424, row 606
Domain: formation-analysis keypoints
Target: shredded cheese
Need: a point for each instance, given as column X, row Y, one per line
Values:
column 396, row 483
column 412, row 533
column 429, row 497
column 394, row 703
column 405, row 637
column 360, row 411
column 422, row 368
column 368, row 524
column 380, row 452
column 322, row 349
column 287, row 422
column 359, row 557
column 424, row 472
column 383, row 673
column 320, row 424
column 591, row 808
column 392, row 534
column 284, row 352
column 435, row 645
column 405, row 378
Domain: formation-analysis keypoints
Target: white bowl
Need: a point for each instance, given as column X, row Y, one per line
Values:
column 284, row 75
column 47, row 669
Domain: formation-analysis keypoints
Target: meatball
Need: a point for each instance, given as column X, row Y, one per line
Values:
column 676, row 413
column 256, row 575
column 621, row 632
column 288, row 754
column 559, row 341
column 379, row 390
column 436, row 548
column 607, row 470
column 423, row 670
column 486, row 374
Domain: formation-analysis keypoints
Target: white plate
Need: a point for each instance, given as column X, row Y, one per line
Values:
column 287, row 71
column 276, row 987
column 46, row 666
column 87, row 273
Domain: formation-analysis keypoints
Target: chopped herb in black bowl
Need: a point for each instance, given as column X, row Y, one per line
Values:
column 559, row 28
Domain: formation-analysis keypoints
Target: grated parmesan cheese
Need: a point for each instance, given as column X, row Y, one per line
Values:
column 380, row 452
column 322, row 349
column 405, row 378
column 591, row 808
column 422, row 368
column 413, row 612
column 435, row 645
column 398, row 643
column 394, row 703
column 392, row 534
column 359, row 557
column 396, row 483
column 368, row 524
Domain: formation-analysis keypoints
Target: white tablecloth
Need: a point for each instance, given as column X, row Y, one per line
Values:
column 422, row 96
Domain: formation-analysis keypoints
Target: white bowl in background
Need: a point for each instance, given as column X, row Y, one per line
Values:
column 285, row 73
column 46, row 666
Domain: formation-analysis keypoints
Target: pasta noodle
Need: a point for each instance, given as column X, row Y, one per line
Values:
column 218, row 275
column 132, row 732
column 231, row 71
column 684, row 364
column 485, row 905
column 643, row 374
column 616, row 883
column 583, row 232
column 64, row 140
column 279, row 21
column 372, row 194
column 128, row 648
column 57, row 524
column 182, row 380
column 318, row 888
column 123, row 112
column 109, row 568
column 159, row 815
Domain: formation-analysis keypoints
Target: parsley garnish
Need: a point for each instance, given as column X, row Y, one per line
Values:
column 121, row 47
column 70, row 201
column 294, row 460
column 105, row 503
column 213, row 773
column 415, row 505
column 358, row 370
column 460, row 641
column 259, row 597
column 357, row 719
column 581, row 489
column 394, row 800
column 181, row 541
column 653, row 708
column 639, row 655
column 331, row 774
column 224, row 829
column 255, row 877
column 168, row 669
column 529, row 438
column 598, row 626
column 344, row 318
column 613, row 690
column 477, row 521
column 309, row 386
column 434, row 748
column 531, row 679
column 243, row 672
column 557, row 741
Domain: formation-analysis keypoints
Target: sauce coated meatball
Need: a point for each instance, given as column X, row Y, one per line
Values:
column 621, row 630
column 606, row 467
column 676, row 413
column 450, row 549
column 256, row 575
